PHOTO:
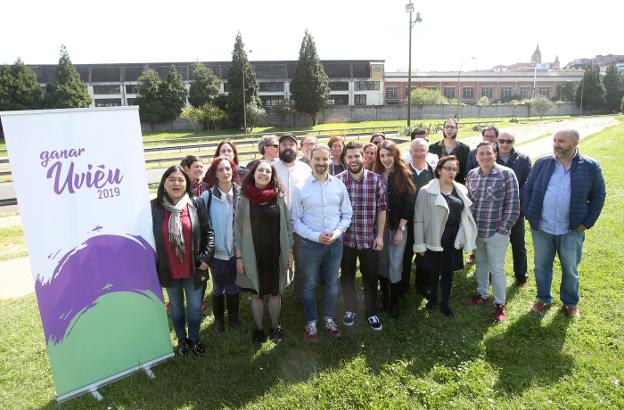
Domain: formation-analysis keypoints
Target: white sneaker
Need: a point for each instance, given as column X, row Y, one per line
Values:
column 349, row 318
column 375, row 323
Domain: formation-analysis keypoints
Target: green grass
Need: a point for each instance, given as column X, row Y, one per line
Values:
column 12, row 243
column 423, row 360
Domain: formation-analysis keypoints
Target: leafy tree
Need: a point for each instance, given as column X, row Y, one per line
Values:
column 148, row 98
column 614, row 88
column 255, row 113
column 172, row 95
column 541, row 105
column 622, row 106
column 310, row 84
column 66, row 90
column 425, row 96
column 204, row 87
column 284, row 109
column 483, row 101
column 19, row 89
column 240, row 65
column 591, row 90
column 209, row 115
column 565, row 92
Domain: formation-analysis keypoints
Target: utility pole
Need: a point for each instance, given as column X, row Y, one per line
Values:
column 409, row 8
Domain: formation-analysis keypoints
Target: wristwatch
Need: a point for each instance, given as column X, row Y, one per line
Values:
column 402, row 228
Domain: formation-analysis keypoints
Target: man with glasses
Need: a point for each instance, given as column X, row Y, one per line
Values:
column 268, row 147
column 520, row 164
column 307, row 144
column 493, row 190
column 450, row 146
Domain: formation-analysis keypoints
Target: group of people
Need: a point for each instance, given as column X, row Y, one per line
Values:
column 303, row 220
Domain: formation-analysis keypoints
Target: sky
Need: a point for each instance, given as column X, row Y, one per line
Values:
column 451, row 32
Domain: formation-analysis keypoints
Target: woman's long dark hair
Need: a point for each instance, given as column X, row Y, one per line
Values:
column 399, row 180
column 218, row 150
column 160, row 194
column 250, row 180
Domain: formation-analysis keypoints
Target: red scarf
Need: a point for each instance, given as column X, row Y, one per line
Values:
column 259, row 196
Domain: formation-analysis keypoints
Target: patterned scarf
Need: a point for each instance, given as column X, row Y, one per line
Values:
column 176, row 237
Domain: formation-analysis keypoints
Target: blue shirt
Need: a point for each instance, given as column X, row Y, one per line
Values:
column 320, row 208
column 555, row 218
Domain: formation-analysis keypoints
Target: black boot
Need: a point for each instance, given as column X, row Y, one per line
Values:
column 218, row 310
column 232, row 309
column 383, row 287
column 393, row 305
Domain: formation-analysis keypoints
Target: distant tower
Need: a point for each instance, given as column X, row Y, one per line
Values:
column 536, row 58
column 556, row 64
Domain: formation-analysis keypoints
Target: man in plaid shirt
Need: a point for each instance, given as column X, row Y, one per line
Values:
column 364, row 238
column 493, row 188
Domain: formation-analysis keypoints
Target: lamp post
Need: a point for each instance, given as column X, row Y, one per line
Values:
column 409, row 8
column 459, row 86
column 244, row 103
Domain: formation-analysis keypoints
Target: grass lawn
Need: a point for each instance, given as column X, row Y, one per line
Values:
column 12, row 243
column 423, row 360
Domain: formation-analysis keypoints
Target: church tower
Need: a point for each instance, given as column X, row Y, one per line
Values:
column 536, row 58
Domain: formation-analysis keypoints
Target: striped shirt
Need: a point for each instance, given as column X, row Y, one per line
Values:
column 496, row 200
column 367, row 197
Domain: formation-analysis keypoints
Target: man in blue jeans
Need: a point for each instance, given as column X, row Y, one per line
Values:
column 320, row 213
column 564, row 195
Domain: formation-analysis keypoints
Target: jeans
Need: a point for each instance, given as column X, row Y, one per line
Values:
column 391, row 257
column 316, row 257
column 518, row 250
column 569, row 247
column 369, row 259
column 224, row 276
column 180, row 287
column 490, row 258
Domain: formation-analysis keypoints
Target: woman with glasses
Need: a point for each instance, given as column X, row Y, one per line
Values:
column 443, row 226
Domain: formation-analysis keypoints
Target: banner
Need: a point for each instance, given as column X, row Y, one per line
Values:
column 82, row 191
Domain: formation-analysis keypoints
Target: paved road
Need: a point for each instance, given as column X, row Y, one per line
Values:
column 16, row 278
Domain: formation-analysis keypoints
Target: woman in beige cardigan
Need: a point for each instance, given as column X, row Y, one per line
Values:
column 263, row 246
column 443, row 225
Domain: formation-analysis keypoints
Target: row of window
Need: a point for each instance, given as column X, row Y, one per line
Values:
column 469, row 92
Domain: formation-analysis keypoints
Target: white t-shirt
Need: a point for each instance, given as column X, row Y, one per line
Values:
column 290, row 177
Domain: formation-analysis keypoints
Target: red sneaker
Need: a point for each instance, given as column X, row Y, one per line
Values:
column 332, row 328
column 500, row 315
column 477, row 300
column 310, row 333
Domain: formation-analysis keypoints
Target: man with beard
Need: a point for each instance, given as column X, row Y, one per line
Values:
column 564, row 196
column 489, row 134
column 450, row 146
column 290, row 171
column 321, row 213
column 364, row 238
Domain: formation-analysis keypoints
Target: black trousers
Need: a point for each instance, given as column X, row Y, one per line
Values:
column 518, row 250
column 422, row 280
column 369, row 261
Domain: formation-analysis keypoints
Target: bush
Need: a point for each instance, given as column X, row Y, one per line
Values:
column 425, row 96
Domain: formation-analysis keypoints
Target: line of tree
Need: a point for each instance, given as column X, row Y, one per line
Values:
column 601, row 94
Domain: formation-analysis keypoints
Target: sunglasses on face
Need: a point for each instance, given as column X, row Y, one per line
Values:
column 505, row 141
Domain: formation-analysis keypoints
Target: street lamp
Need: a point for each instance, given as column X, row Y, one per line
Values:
column 459, row 86
column 409, row 8
column 244, row 103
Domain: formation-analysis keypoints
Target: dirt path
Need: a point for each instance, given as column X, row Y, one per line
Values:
column 16, row 278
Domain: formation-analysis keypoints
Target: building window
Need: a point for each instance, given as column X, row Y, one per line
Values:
column 272, row 86
column 468, row 92
column 505, row 92
column 271, row 100
column 339, row 85
column 449, row 92
column 132, row 89
column 366, row 85
column 130, row 101
column 360, row 99
column 108, row 102
column 338, row 99
column 391, row 93
column 545, row 91
column 226, row 87
column 105, row 89
column 486, row 92
column 525, row 92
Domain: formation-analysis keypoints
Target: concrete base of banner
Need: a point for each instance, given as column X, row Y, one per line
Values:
column 93, row 388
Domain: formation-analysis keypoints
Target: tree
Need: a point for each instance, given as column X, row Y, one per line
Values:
column 255, row 113
column 483, row 101
column 240, row 65
column 19, row 89
column 204, row 87
column 590, row 90
column 622, row 106
column 284, row 109
column 425, row 96
column 172, row 95
column 148, row 98
column 66, row 90
column 614, row 89
column 541, row 105
column 209, row 115
column 310, row 84
column 565, row 92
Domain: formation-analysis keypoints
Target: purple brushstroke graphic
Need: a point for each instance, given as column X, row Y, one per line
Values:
column 101, row 265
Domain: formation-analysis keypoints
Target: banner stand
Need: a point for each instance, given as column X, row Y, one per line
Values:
column 93, row 388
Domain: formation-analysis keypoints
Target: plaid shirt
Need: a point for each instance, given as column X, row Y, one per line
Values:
column 367, row 197
column 496, row 200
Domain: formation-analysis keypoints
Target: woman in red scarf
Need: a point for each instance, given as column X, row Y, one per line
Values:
column 263, row 246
